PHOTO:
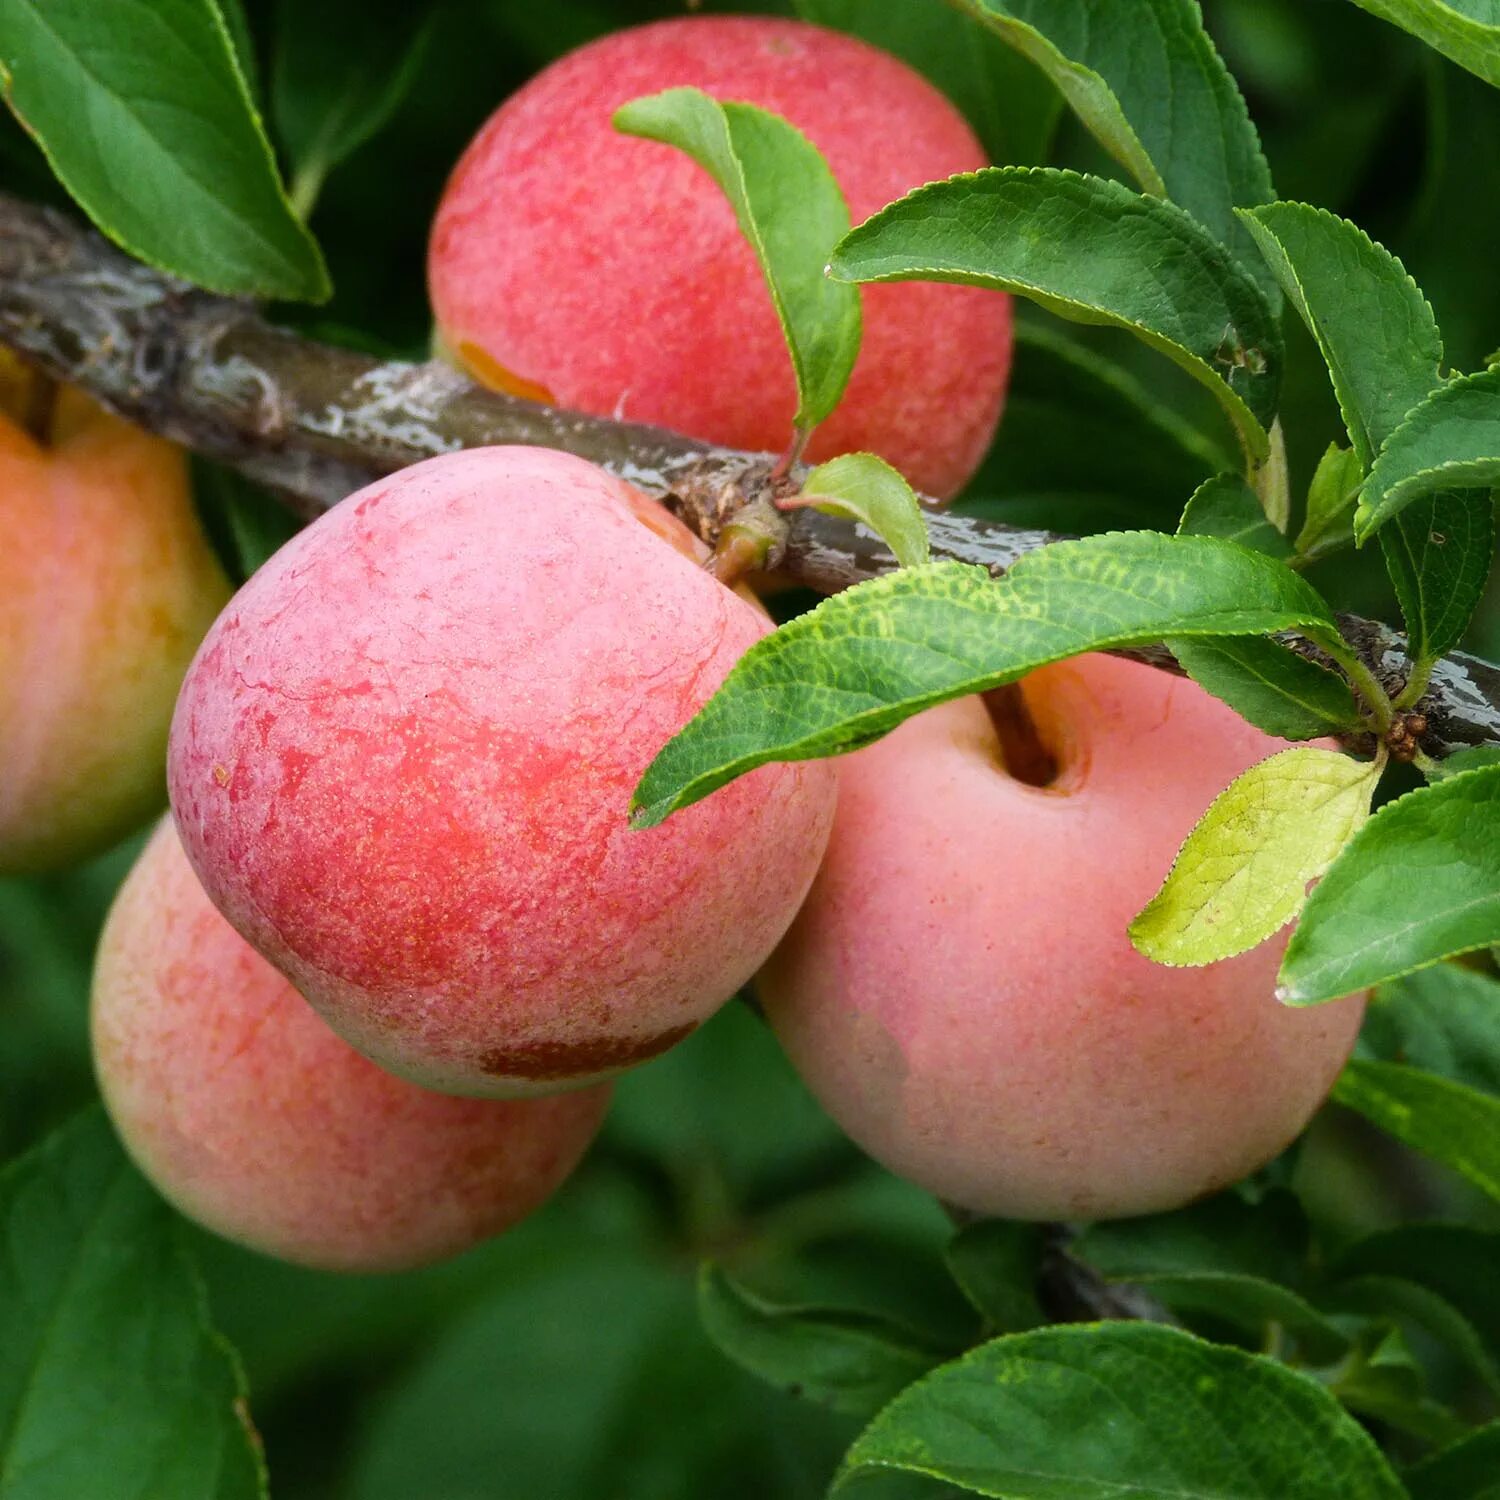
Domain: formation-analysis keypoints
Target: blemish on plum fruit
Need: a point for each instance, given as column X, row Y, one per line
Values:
column 546, row 1060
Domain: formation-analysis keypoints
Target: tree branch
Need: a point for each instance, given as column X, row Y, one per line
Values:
column 314, row 423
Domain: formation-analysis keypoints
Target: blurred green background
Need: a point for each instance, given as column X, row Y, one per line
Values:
column 565, row 1360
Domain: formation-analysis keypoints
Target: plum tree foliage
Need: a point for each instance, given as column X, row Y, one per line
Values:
column 494, row 781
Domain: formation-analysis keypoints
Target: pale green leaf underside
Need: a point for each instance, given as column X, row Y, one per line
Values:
column 1456, row 1125
column 1147, row 83
column 1330, row 500
column 1112, row 1411
column 145, row 116
column 113, row 1385
column 1243, row 871
column 848, row 1360
column 1269, row 684
column 1420, row 882
column 1450, row 441
column 868, row 490
column 861, row 662
column 1464, row 31
column 1095, row 252
column 790, row 209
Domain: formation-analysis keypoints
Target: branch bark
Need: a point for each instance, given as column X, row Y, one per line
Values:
column 314, row 422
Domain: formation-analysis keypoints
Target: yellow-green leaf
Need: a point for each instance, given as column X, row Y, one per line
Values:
column 1243, row 872
column 868, row 490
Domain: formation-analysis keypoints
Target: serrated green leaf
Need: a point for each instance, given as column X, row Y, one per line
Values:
column 1226, row 506
column 1243, row 872
column 1438, row 552
column 849, row 1360
column 1464, row 31
column 112, row 1383
column 1420, row 882
column 1466, row 1470
column 1330, row 501
column 1449, row 1122
column 1095, row 252
column 1010, row 103
column 238, row 25
column 1148, row 84
column 1445, row 1019
column 792, row 212
column 1450, row 440
column 996, row 1263
column 1098, row 1412
column 1270, row 685
column 868, row 490
column 1371, row 322
column 863, row 661
column 145, row 116
column 337, row 79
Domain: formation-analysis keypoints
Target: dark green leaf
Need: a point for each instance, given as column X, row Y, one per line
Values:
column 1467, row 31
column 1010, row 103
column 339, row 75
column 1453, row 1260
column 146, row 118
column 112, row 1383
column 1384, row 1381
column 1471, row 758
column 1445, row 1019
column 789, row 208
column 849, row 1360
column 1248, row 1304
column 1121, row 1409
column 1148, row 84
column 1371, row 321
column 1418, row 883
column 1095, row 252
column 863, row 661
column 1438, row 552
column 996, row 1263
column 1467, row 1470
column 1226, row 506
column 1273, row 687
column 1450, row 440
column 238, row 25
column 1451, row 1123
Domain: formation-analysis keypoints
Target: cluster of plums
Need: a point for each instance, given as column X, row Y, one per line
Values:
column 359, row 1001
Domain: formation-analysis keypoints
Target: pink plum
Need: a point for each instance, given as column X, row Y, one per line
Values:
column 107, row 584
column 252, row 1117
column 403, row 760
column 959, row 989
column 575, row 265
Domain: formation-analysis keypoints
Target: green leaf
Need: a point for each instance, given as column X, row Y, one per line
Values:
column 1149, row 86
column 1438, row 552
column 1011, row 105
column 790, row 209
column 1445, row 1019
column 1270, row 685
column 868, row 490
column 1418, row 883
column 860, row 663
column 1466, row 1470
column 1455, row 1125
column 996, row 1263
column 849, row 1360
column 1118, row 1409
column 1243, row 872
column 1330, row 502
column 238, row 25
column 145, row 116
column 1226, row 506
column 1371, row 322
column 1450, row 440
column 1470, row 758
column 1464, row 31
column 1384, row 1381
column 337, row 79
column 112, row 1383
column 1095, row 252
